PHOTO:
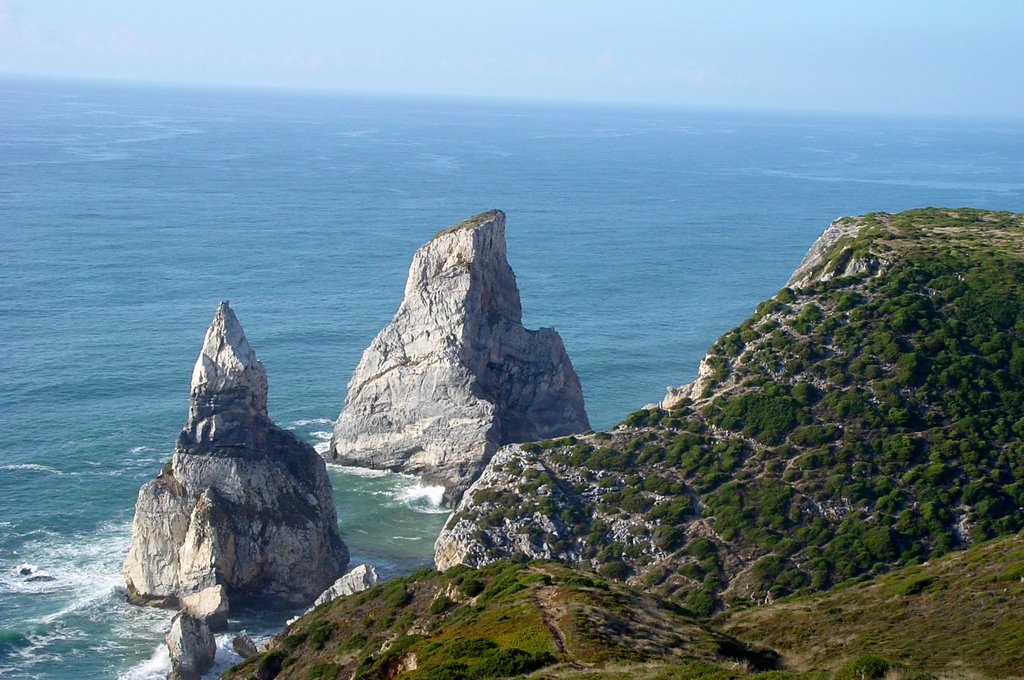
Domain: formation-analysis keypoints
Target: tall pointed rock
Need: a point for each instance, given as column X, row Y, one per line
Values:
column 243, row 504
column 455, row 374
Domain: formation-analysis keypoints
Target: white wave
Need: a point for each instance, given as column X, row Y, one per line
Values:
column 414, row 495
column 31, row 466
column 407, row 538
column 225, row 657
column 155, row 667
column 322, row 448
column 306, row 422
column 136, row 450
column 359, row 471
column 325, row 435
column 85, row 568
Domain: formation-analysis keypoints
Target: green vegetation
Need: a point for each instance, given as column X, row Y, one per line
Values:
column 955, row 616
column 851, row 425
column 818, row 493
column 522, row 618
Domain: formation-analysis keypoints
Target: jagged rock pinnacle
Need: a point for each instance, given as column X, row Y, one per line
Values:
column 243, row 504
column 455, row 374
column 228, row 362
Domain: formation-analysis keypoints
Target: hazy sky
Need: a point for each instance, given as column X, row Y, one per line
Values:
column 897, row 56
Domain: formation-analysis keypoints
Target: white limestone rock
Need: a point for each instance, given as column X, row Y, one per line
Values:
column 816, row 265
column 210, row 604
column 359, row 579
column 191, row 645
column 243, row 504
column 455, row 375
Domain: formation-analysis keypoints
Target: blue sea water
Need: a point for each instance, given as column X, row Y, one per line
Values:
column 128, row 212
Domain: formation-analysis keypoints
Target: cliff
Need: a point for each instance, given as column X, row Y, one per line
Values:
column 870, row 414
column 455, row 375
column 243, row 505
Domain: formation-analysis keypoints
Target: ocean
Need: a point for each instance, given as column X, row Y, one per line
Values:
column 128, row 211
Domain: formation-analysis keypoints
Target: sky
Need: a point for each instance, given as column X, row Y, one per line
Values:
column 931, row 57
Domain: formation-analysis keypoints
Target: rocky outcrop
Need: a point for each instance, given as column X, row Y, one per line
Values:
column 460, row 540
column 829, row 257
column 191, row 645
column 210, row 604
column 243, row 504
column 356, row 581
column 455, row 375
column 359, row 579
column 242, row 644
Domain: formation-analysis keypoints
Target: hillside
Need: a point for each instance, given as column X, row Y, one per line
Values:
column 958, row 615
column 869, row 415
column 503, row 620
column 953, row 617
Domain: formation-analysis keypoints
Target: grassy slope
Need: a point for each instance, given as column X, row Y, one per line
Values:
column 955, row 617
column 847, row 427
column 499, row 621
column 959, row 615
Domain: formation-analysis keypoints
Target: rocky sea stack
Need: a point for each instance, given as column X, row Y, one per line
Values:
column 455, row 375
column 244, row 507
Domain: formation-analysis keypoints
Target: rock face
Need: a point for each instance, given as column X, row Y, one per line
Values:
column 816, row 265
column 191, row 645
column 242, row 504
column 455, row 375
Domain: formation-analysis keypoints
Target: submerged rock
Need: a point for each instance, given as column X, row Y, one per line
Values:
column 242, row 504
column 191, row 645
column 455, row 375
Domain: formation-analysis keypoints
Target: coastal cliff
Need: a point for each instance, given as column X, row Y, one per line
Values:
column 860, row 424
column 243, row 510
column 870, row 414
column 455, row 375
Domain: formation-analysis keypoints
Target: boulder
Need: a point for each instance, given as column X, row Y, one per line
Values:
column 210, row 604
column 243, row 645
column 359, row 579
column 455, row 374
column 191, row 645
column 243, row 504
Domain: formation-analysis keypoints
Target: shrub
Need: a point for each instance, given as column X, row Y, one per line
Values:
column 439, row 605
column 701, row 603
column 863, row 667
column 513, row 661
